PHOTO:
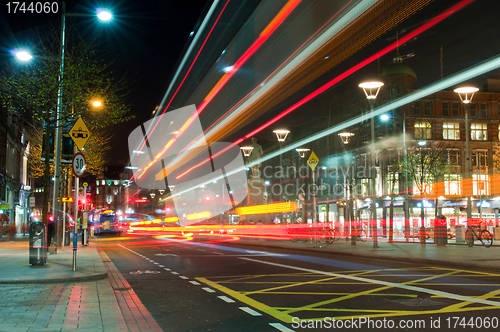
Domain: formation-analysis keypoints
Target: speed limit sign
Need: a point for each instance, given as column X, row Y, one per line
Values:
column 79, row 164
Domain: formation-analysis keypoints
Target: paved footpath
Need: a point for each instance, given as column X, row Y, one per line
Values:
column 53, row 297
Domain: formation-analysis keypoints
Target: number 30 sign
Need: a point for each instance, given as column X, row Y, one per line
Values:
column 79, row 164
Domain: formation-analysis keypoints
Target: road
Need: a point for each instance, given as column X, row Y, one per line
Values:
column 199, row 286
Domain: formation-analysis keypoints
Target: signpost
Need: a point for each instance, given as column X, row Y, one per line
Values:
column 313, row 162
column 80, row 134
column 32, row 201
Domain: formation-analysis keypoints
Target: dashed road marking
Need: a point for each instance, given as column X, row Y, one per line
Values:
column 250, row 311
column 174, row 272
column 161, row 265
column 227, row 299
column 167, row 269
column 281, row 327
column 218, row 253
column 210, row 290
column 183, row 277
column 195, row 282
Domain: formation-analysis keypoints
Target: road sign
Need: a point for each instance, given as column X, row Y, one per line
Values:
column 85, row 185
column 67, row 199
column 312, row 161
column 79, row 164
column 79, row 133
column 32, row 201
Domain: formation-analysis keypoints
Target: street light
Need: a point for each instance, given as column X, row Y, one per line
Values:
column 281, row 134
column 23, row 55
column 371, row 90
column 466, row 94
column 103, row 16
column 346, row 137
column 302, row 153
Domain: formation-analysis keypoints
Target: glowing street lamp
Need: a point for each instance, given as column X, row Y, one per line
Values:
column 302, row 152
column 346, row 136
column 371, row 90
column 466, row 94
column 23, row 56
column 104, row 15
column 97, row 103
column 247, row 150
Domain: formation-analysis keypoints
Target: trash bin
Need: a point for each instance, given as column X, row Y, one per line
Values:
column 440, row 231
column 37, row 242
column 422, row 235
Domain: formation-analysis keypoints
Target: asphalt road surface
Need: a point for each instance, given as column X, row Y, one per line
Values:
column 200, row 286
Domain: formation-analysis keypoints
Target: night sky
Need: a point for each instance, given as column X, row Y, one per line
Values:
column 146, row 40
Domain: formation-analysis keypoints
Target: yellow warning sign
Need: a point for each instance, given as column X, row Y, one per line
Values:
column 79, row 133
column 312, row 161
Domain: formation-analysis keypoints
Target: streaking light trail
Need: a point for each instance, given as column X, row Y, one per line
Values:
column 350, row 71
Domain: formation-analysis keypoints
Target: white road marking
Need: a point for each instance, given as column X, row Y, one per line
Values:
column 452, row 296
column 265, row 253
column 201, row 249
column 281, row 327
column 183, row 277
column 195, row 282
column 210, row 290
column 174, row 272
column 167, row 269
column 227, row 299
column 161, row 265
column 218, row 253
column 250, row 311
column 156, row 263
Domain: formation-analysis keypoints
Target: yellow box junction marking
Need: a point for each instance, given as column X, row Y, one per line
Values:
column 285, row 313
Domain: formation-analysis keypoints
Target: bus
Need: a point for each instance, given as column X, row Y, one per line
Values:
column 105, row 221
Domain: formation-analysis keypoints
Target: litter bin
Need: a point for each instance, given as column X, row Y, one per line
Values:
column 37, row 242
column 440, row 231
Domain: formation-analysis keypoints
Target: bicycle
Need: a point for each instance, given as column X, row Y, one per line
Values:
column 484, row 236
column 360, row 234
column 325, row 236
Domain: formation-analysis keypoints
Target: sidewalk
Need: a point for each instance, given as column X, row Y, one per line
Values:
column 462, row 256
column 53, row 297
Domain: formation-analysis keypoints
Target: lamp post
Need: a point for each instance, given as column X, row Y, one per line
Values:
column 281, row 134
column 346, row 136
column 302, row 153
column 103, row 16
column 371, row 90
column 466, row 94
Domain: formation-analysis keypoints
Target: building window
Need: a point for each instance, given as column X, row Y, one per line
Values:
column 480, row 184
column 427, row 108
column 478, row 131
column 454, row 157
column 452, row 184
column 456, row 109
column 446, row 108
column 481, row 157
column 484, row 111
column 473, row 110
column 423, row 130
column 451, row 130
column 97, row 191
column 417, row 108
column 499, row 132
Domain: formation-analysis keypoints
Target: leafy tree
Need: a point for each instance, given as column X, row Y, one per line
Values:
column 425, row 165
column 33, row 89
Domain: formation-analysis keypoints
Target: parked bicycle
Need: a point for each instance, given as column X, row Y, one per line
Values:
column 325, row 236
column 482, row 235
column 359, row 234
